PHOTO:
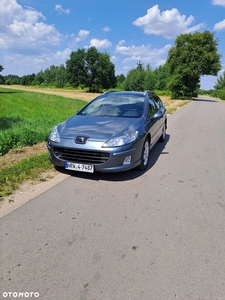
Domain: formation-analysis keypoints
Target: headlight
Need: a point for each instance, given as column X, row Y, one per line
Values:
column 121, row 140
column 54, row 136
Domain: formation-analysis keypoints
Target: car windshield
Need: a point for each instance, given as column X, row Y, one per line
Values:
column 126, row 106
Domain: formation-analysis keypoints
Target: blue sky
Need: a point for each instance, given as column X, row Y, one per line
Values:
column 35, row 34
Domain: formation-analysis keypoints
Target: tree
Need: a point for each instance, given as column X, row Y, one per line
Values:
column 50, row 75
column 119, row 81
column 39, row 78
column 27, row 79
column 92, row 69
column 11, row 79
column 150, row 78
column 76, row 68
column 61, row 76
column 140, row 79
column 105, row 72
column 220, row 84
column 93, row 80
column 192, row 56
column 135, row 79
column 2, row 80
column 162, row 76
column 120, row 78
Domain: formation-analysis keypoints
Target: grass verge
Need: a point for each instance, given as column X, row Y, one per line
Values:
column 26, row 169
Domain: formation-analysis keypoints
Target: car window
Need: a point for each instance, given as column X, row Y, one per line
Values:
column 155, row 98
column 152, row 108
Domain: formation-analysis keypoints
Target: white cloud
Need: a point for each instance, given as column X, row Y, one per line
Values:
column 21, row 28
column 144, row 53
column 218, row 2
column 82, row 35
column 3, row 44
column 106, row 29
column 143, row 50
column 100, row 43
column 113, row 58
column 219, row 26
column 61, row 10
column 62, row 56
column 28, row 64
column 168, row 24
column 11, row 11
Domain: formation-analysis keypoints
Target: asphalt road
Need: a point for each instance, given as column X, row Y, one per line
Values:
column 155, row 235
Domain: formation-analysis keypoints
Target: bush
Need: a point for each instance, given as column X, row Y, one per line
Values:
column 219, row 94
column 163, row 93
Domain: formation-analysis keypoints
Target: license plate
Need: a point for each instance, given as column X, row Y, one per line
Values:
column 79, row 167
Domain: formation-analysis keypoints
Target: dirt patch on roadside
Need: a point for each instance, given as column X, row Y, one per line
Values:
column 16, row 155
column 74, row 94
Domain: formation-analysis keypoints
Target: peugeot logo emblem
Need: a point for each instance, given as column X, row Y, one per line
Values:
column 81, row 139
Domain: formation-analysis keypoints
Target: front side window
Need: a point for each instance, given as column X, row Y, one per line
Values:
column 152, row 108
column 155, row 98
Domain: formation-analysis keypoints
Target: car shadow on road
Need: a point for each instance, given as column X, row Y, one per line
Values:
column 123, row 176
column 204, row 100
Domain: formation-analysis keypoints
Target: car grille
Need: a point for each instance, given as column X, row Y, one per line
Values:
column 80, row 156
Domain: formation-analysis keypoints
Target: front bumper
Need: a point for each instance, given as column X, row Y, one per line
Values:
column 114, row 162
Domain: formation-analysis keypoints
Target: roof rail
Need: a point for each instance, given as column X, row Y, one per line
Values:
column 110, row 91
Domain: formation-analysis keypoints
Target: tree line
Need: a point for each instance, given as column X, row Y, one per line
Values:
column 94, row 74
column 192, row 56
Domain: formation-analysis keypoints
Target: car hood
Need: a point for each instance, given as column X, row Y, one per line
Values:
column 98, row 128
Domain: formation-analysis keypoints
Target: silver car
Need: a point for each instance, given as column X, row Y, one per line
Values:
column 112, row 133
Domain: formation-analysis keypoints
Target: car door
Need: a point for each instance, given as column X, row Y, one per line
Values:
column 160, row 108
column 153, row 123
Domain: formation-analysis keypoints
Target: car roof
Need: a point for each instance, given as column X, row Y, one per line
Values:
column 130, row 93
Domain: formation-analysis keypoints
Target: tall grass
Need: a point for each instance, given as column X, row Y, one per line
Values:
column 27, row 118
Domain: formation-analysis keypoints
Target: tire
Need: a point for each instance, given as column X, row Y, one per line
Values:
column 59, row 169
column 163, row 136
column 144, row 155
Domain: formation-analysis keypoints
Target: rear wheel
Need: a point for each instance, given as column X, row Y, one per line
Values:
column 144, row 155
column 163, row 136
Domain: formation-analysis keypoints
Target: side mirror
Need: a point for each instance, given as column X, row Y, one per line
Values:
column 158, row 115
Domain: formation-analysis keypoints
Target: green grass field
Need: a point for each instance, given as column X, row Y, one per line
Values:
column 27, row 118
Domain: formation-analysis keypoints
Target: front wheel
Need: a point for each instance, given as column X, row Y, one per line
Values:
column 144, row 155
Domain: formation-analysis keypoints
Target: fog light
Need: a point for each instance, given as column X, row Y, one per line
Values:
column 127, row 160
